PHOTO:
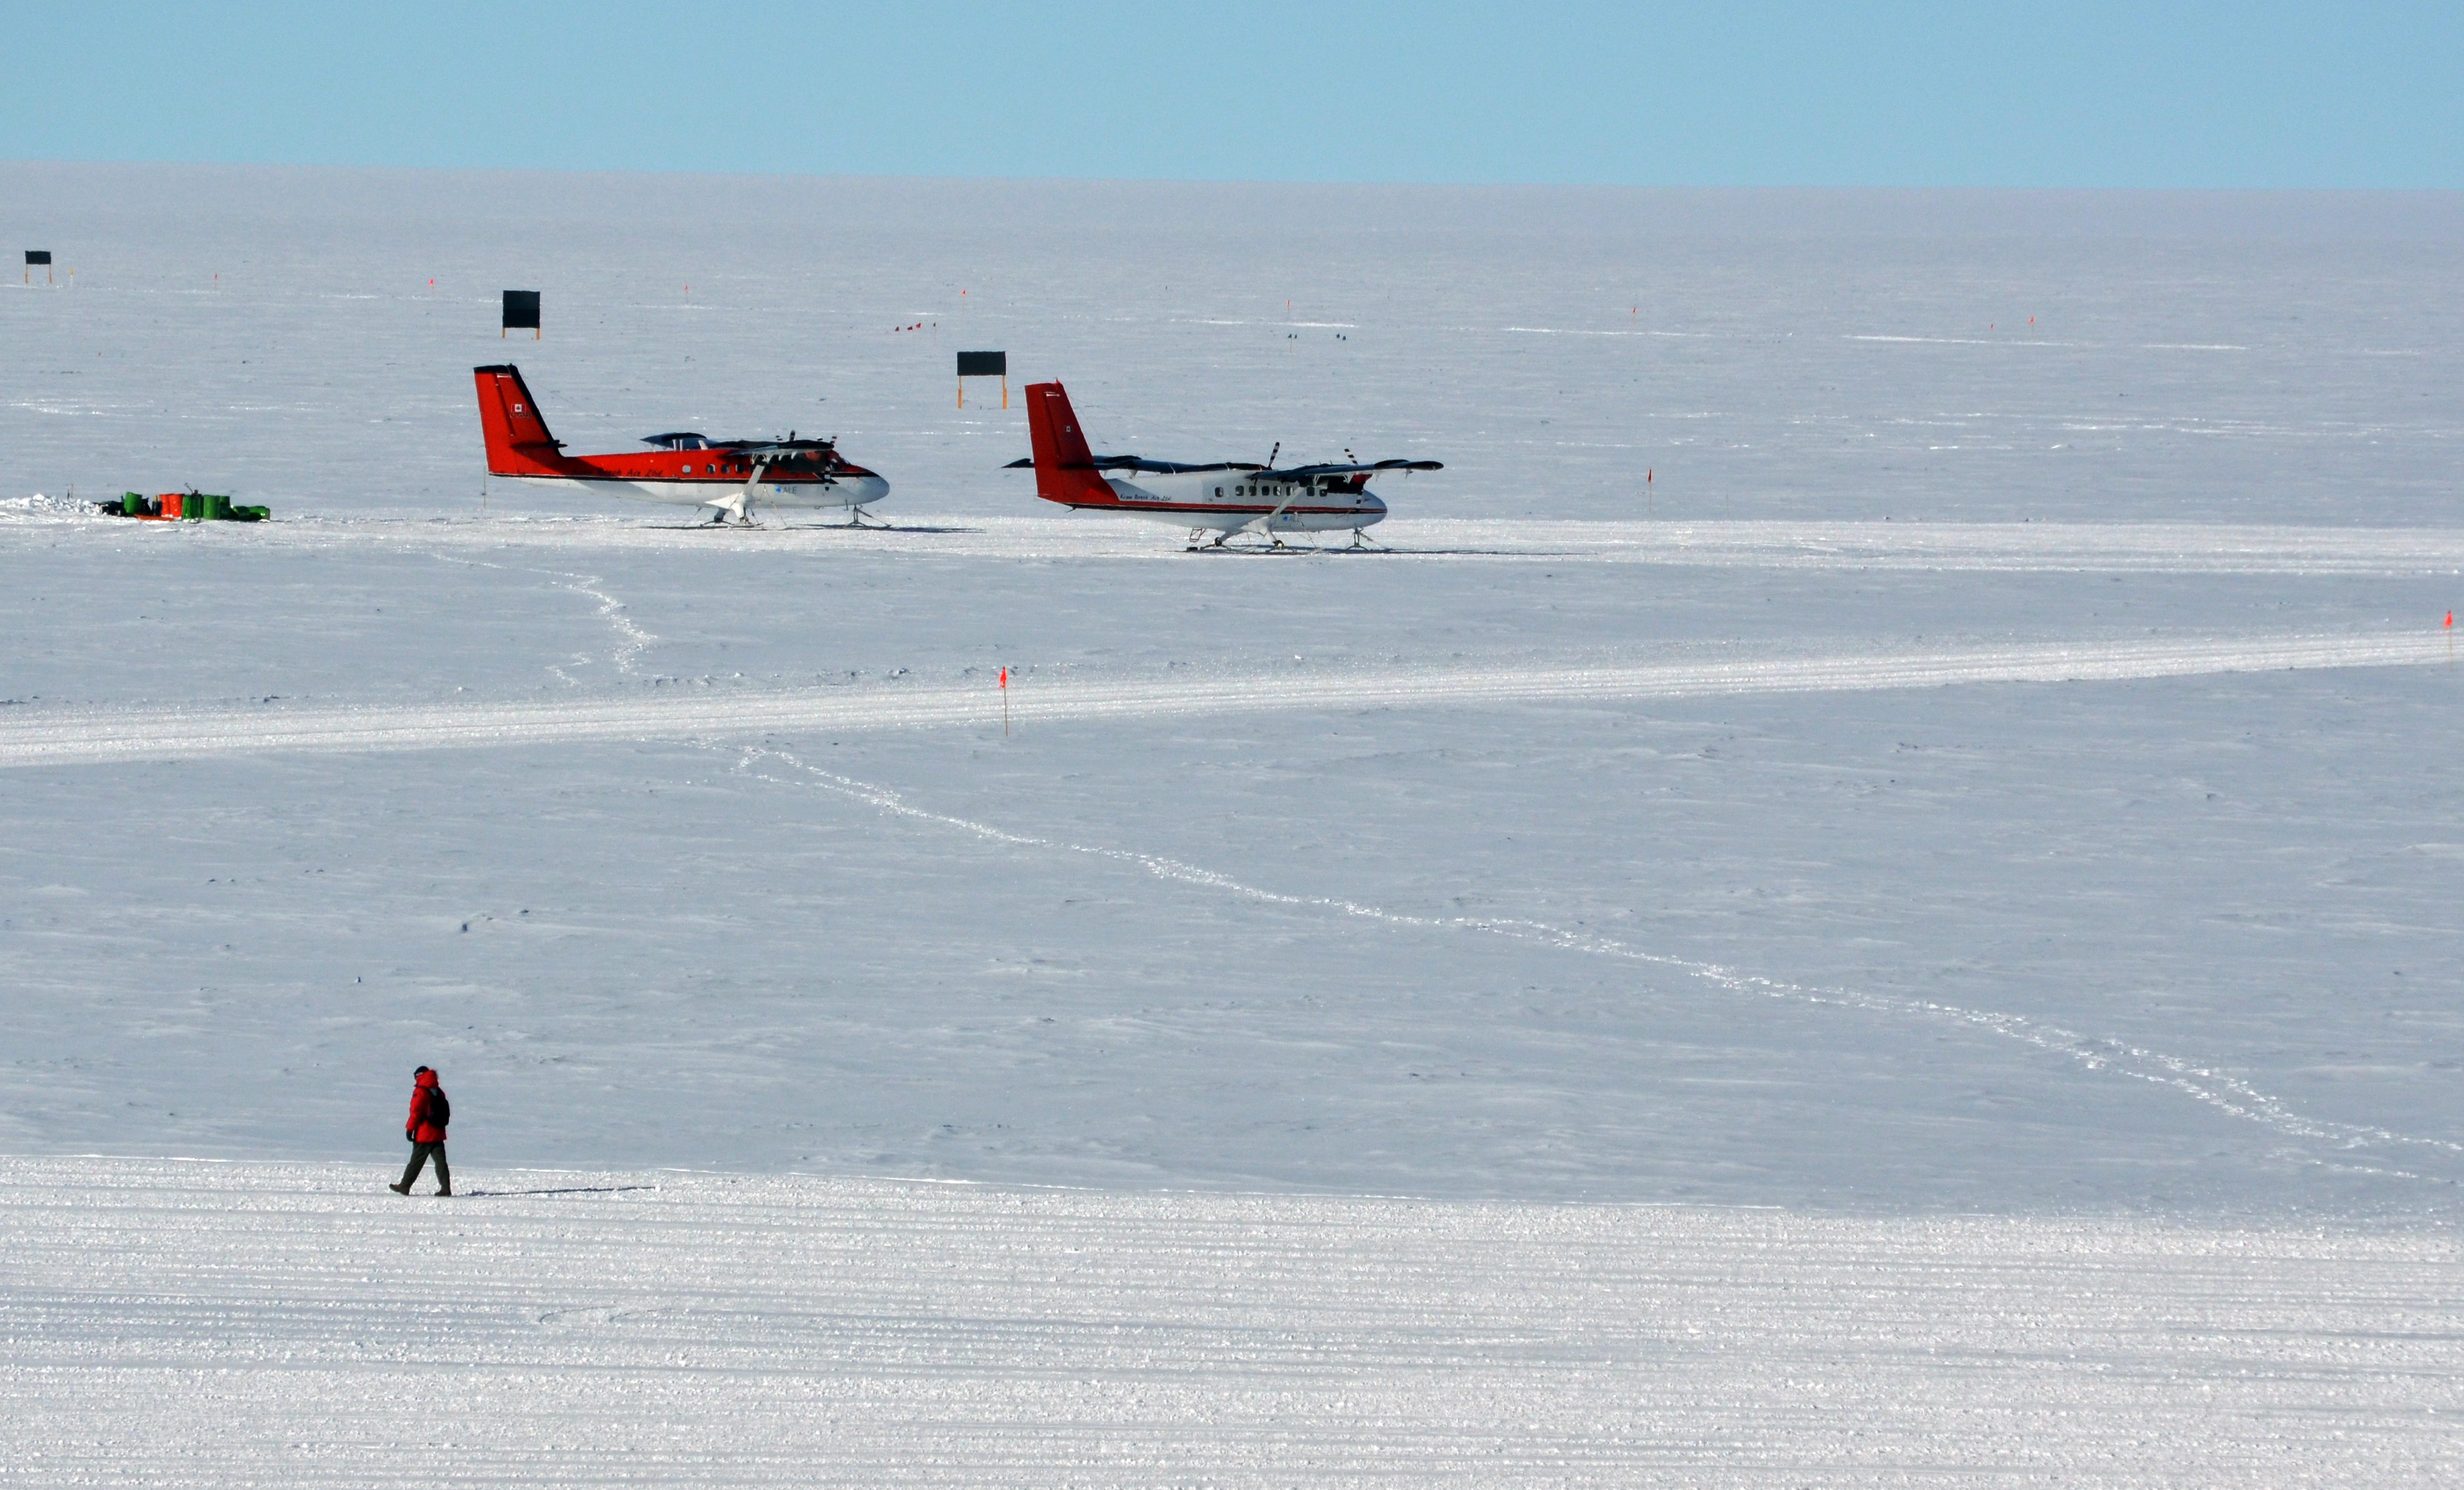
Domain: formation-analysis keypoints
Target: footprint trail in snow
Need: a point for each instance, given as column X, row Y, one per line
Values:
column 2218, row 1089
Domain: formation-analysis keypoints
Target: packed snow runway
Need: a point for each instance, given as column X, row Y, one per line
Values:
column 2256, row 549
column 190, row 1323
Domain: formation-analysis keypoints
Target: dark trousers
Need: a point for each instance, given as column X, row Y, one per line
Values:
column 420, row 1153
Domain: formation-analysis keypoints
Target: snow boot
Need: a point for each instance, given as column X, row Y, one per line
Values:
column 402, row 1188
column 446, row 1190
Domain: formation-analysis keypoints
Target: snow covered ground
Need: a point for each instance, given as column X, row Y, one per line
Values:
column 2072, row 872
column 184, row 1323
column 1987, row 803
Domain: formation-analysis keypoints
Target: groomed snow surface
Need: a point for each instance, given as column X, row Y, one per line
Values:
column 198, row 1322
column 1917, row 945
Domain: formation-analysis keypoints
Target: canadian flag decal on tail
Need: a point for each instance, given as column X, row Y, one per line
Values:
column 519, row 443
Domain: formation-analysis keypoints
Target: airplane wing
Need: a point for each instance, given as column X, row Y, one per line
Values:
column 789, row 451
column 1141, row 463
column 1313, row 472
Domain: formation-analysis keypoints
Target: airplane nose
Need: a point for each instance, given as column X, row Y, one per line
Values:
column 867, row 491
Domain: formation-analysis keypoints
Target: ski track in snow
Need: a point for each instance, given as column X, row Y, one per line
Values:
column 2218, row 1089
column 631, row 640
column 32, row 738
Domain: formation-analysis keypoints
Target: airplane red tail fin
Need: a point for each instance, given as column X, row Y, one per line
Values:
column 1064, row 467
column 519, row 443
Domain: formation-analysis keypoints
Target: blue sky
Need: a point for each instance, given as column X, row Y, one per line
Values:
column 2081, row 95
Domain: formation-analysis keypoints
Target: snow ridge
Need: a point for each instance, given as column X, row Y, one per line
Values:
column 102, row 737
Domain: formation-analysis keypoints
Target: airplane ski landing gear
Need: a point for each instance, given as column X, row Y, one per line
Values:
column 739, row 504
column 1273, row 544
column 1361, row 541
column 856, row 516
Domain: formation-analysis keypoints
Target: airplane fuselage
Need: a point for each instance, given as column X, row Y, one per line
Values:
column 1232, row 498
column 709, row 480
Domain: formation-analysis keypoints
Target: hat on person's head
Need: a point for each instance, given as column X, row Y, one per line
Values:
column 419, row 1070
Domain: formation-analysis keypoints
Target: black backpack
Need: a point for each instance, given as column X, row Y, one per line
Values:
column 439, row 1111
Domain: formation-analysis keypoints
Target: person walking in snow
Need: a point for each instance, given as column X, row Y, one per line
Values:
column 425, row 1127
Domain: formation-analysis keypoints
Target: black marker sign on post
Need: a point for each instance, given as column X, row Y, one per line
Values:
column 42, row 256
column 521, row 313
column 983, row 364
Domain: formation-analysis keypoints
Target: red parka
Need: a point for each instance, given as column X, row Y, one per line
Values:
column 419, row 1128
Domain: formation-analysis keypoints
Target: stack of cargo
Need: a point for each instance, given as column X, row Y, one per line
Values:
column 183, row 507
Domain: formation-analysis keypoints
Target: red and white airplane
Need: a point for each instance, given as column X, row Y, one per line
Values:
column 1226, row 498
column 683, row 469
